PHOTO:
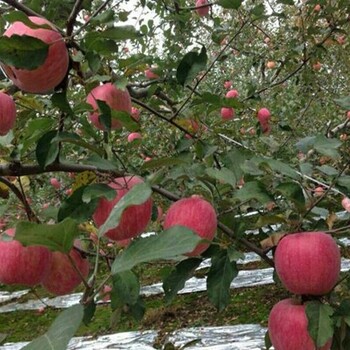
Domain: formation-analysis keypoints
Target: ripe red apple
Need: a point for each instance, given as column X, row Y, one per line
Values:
column 116, row 99
column 227, row 113
column 348, row 114
column 264, row 116
column 202, row 11
column 55, row 183
column 196, row 214
column 287, row 326
column 308, row 263
column 318, row 191
column 148, row 159
column 227, row 84
column 7, row 113
column 135, row 113
column 149, row 74
column 134, row 219
column 62, row 277
column 46, row 77
column 271, row 64
column 346, row 203
column 232, row 94
column 22, row 265
column 134, row 136
column 317, row 8
column 317, row 66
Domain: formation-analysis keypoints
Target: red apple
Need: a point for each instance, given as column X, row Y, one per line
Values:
column 135, row 113
column 22, row 265
column 288, row 327
column 227, row 84
column 346, row 203
column 264, row 116
column 232, row 94
column 227, row 113
column 116, row 99
column 7, row 113
column 196, row 214
column 55, row 183
column 62, row 277
column 134, row 220
column 271, row 64
column 318, row 191
column 308, row 263
column 149, row 74
column 348, row 114
column 317, row 66
column 46, row 77
column 134, row 136
column 202, row 11
column 317, row 8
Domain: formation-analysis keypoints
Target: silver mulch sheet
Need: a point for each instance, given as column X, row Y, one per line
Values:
column 240, row 337
column 7, row 296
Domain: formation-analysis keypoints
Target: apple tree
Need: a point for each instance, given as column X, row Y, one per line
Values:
column 230, row 116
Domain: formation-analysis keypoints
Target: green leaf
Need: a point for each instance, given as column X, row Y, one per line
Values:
column 19, row 16
column 69, row 137
column 293, row 192
column 57, row 237
column 24, row 52
column 126, row 289
column 101, row 163
column 282, row 168
column 223, row 175
column 267, row 340
column 320, row 324
column 46, row 152
column 89, row 312
column 76, row 208
column 126, row 119
column 61, row 331
column 168, row 244
column 96, row 191
column 230, row 4
column 220, row 276
column 286, row 2
column 138, row 194
column 343, row 102
column 162, row 162
column 191, row 64
column 253, row 190
column 327, row 146
column 327, row 170
column 175, row 281
column 60, row 101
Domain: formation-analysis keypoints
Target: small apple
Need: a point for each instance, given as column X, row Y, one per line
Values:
column 288, row 327
column 271, row 64
column 196, row 214
column 317, row 66
column 348, row 114
column 264, row 116
column 308, row 263
column 267, row 40
column 227, row 113
column 51, row 73
column 346, row 204
column 232, row 94
column 135, row 113
column 319, row 191
column 317, row 8
column 148, row 159
column 341, row 40
column 134, row 136
column 227, row 84
column 7, row 113
column 115, row 98
column 202, row 11
column 55, row 183
column 149, row 74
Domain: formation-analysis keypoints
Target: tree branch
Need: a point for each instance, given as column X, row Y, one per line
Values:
column 21, row 7
column 72, row 17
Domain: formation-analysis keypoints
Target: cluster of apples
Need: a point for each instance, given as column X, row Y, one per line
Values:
column 228, row 113
column 33, row 265
column 308, row 264
column 194, row 213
